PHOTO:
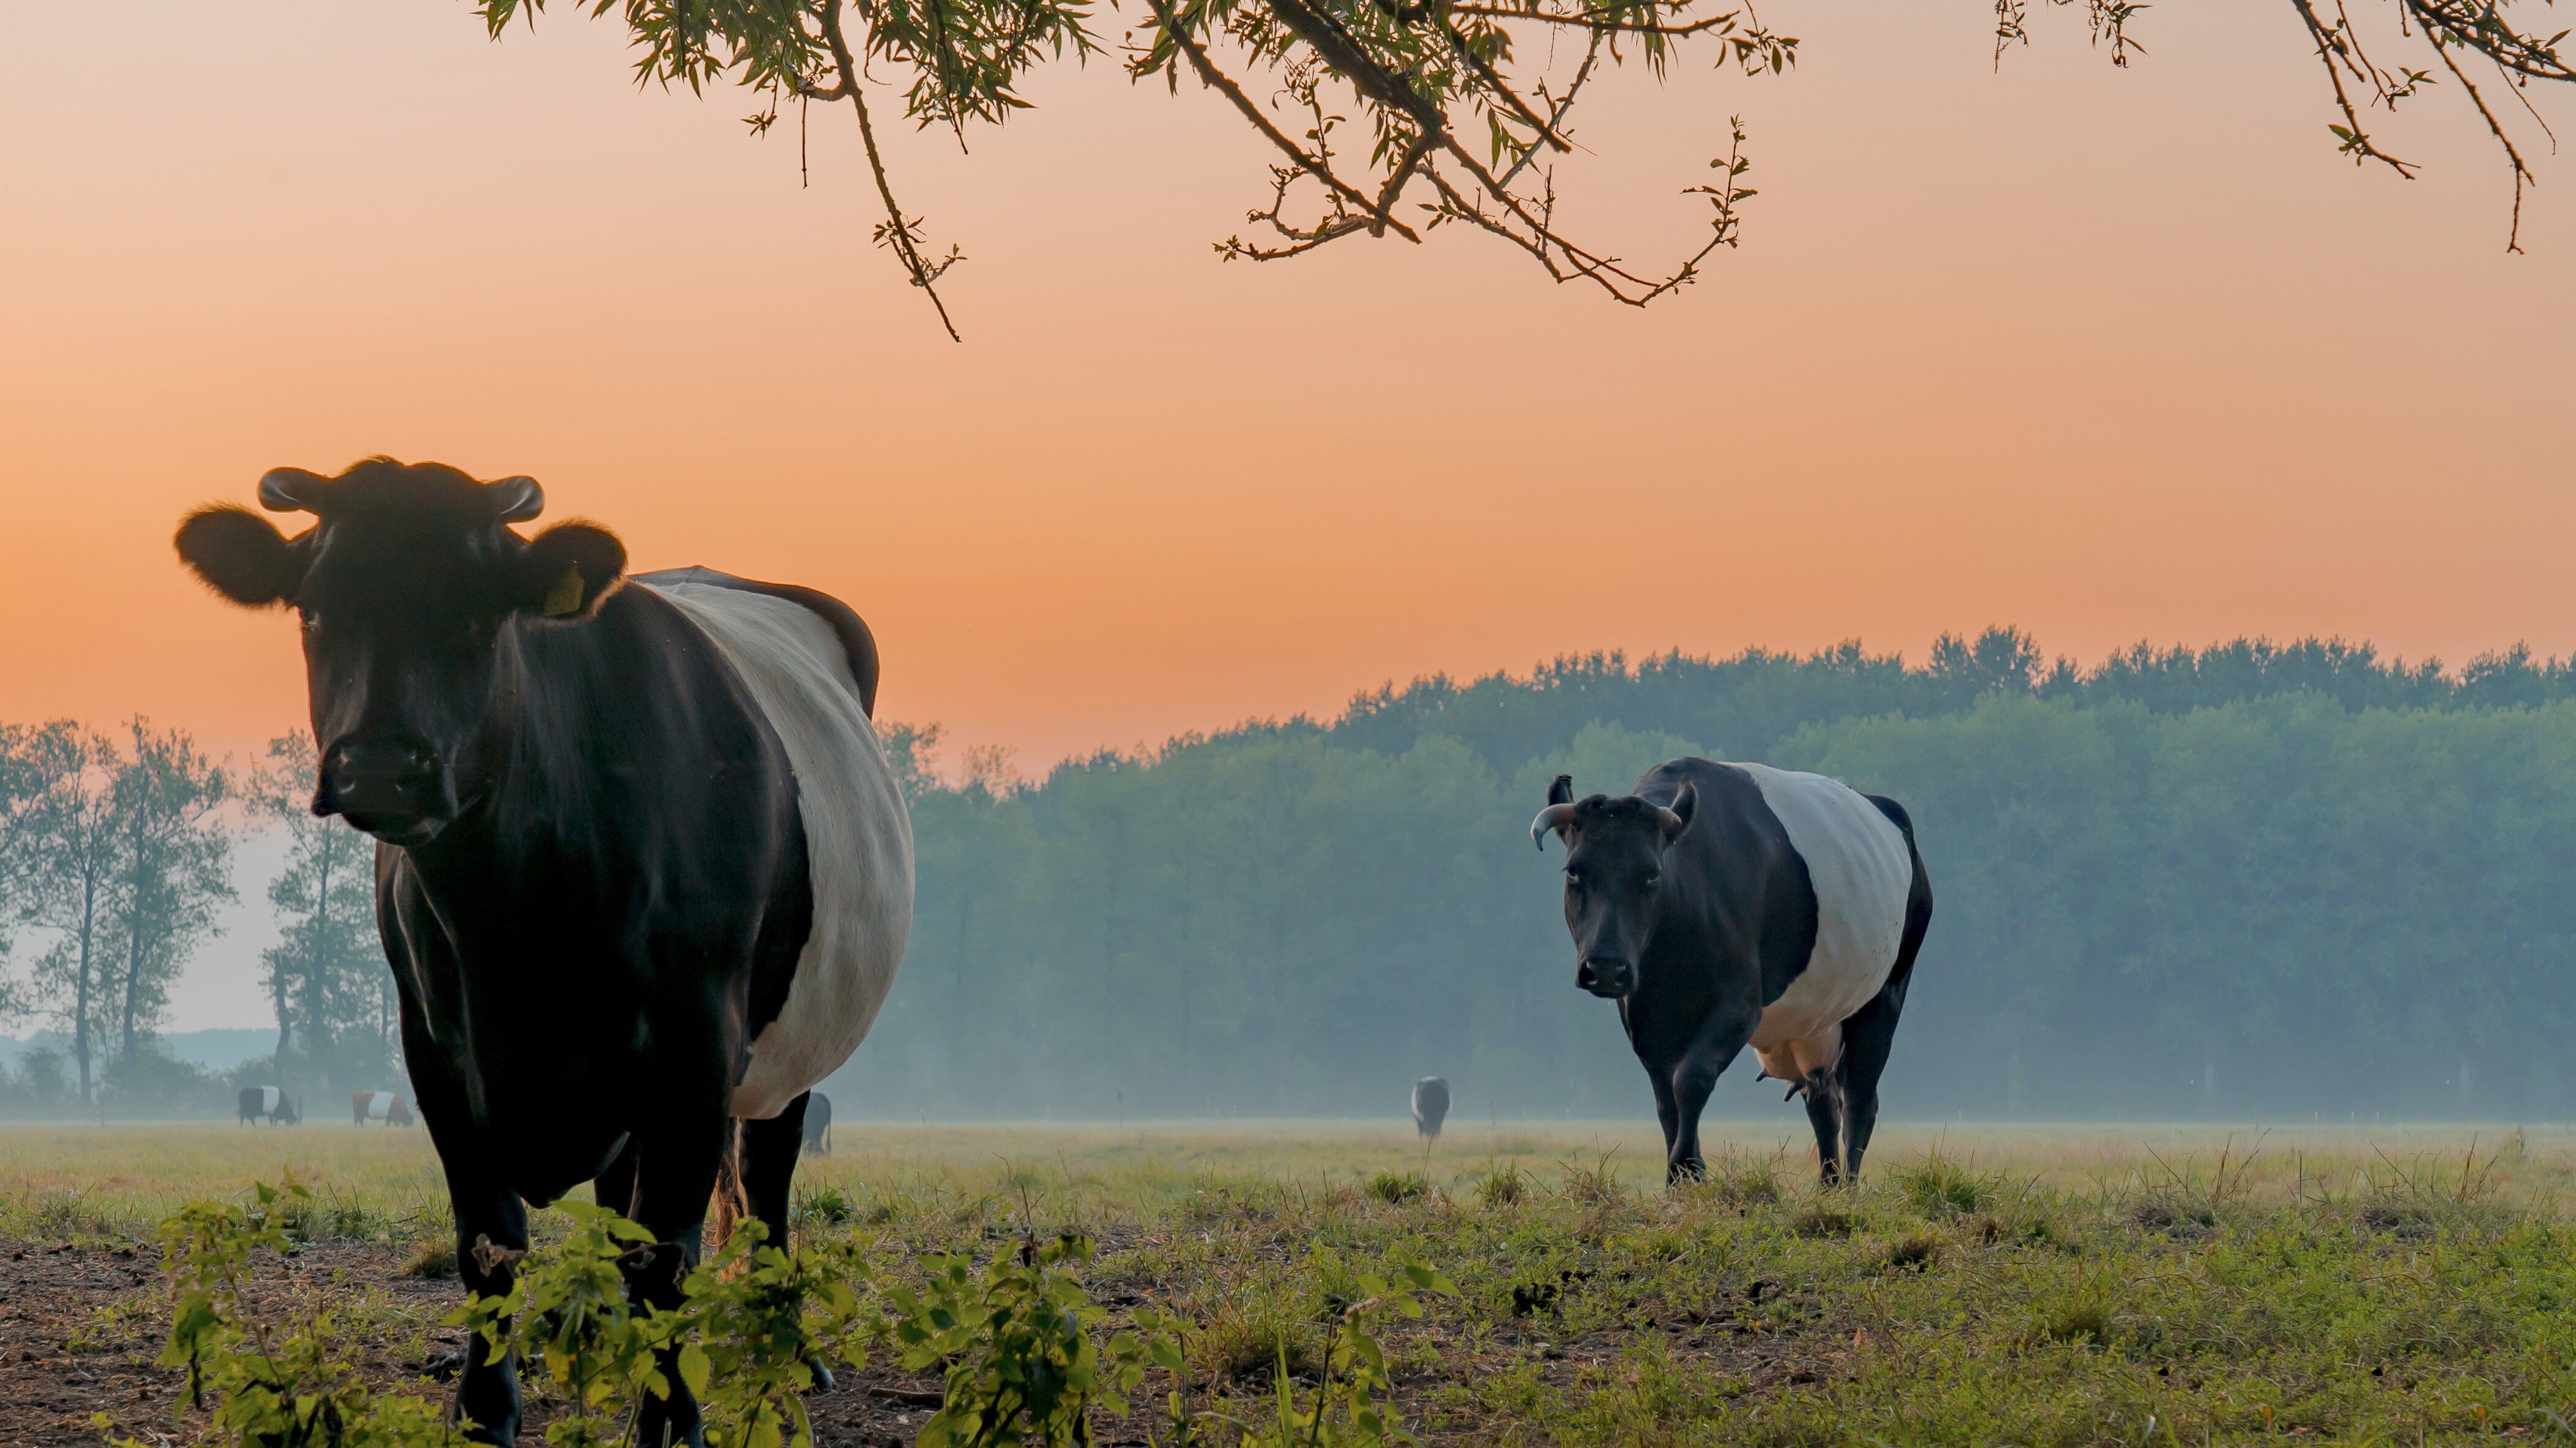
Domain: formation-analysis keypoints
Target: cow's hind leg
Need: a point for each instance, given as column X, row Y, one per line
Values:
column 675, row 1176
column 1826, row 1113
column 1867, row 1036
column 1871, row 1031
column 769, row 1150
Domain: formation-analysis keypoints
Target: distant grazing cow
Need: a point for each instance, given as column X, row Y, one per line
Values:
column 1430, row 1106
column 267, row 1103
column 384, row 1106
column 818, row 1123
column 642, row 871
column 1723, row 905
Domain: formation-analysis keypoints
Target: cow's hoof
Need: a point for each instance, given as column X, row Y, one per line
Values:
column 822, row 1374
column 443, row 1365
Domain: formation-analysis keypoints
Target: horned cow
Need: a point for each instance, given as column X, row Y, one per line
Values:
column 1726, row 905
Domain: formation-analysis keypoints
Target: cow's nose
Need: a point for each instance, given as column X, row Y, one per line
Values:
column 1604, row 975
column 378, row 779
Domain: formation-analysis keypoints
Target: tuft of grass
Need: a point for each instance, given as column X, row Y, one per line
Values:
column 1593, row 1186
column 1503, row 1186
column 1915, row 1253
column 1823, row 1221
column 1398, row 1187
column 1941, row 1189
column 434, row 1260
column 2087, row 1320
column 1248, row 1348
column 828, row 1206
column 1740, row 1184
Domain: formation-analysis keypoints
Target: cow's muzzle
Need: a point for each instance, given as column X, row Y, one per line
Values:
column 392, row 789
column 1606, row 976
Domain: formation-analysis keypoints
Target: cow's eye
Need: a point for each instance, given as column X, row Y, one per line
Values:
column 1574, row 878
column 1653, row 879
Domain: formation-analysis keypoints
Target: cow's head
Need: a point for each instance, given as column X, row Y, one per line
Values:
column 1614, row 872
column 408, row 583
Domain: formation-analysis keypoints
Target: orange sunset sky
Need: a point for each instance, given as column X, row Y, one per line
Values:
column 2110, row 355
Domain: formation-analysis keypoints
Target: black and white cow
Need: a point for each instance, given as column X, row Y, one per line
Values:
column 385, row 1106
column 1430, row 1107
column 267, row 1103
column 1726, row 905
column 643, row 873
column 818, row 1123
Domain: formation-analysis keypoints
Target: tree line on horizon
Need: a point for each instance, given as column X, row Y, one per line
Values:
column 117, row 850
column 2248, row 880
column 2266, row 880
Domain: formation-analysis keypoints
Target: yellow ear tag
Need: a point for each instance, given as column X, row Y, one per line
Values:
column 564, row 600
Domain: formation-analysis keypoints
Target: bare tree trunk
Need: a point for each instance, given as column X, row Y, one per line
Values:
column 81, row 980
column 133, row 976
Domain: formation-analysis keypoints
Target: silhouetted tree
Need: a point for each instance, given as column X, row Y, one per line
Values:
column 327, row 975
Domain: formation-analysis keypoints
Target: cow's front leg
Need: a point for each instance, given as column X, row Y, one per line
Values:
column 491, row 1235
column 1668, row 1111
column 676, row 1173
column 1721, row 1037
column 491, row 1230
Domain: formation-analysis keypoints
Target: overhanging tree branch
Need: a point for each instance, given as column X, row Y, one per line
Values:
column 1453, row 118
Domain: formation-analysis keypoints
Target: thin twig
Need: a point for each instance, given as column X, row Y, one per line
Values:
column 898, row 232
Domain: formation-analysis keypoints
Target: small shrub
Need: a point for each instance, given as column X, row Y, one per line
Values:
column 1353, row 1405
column 271, row 1383
column 1395, row 1188
column 1018, row 1346
column 1989, row 1229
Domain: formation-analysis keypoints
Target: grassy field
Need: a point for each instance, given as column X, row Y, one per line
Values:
column 2028, row 1286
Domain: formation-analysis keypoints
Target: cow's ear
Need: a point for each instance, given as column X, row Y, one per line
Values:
column 567, row 569
column 1684, row 805
column 240, row 555
column 1561, row 792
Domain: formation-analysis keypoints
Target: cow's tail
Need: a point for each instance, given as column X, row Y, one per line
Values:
column 733, row 1201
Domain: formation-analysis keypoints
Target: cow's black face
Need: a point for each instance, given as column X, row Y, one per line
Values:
column 409, row 589
column 1614, row 877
